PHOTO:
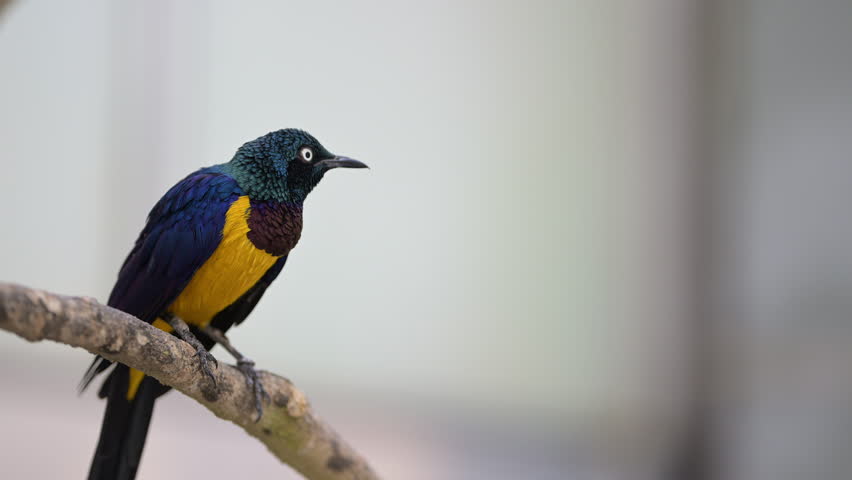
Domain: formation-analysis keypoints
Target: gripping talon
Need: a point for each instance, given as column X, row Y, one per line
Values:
column 204, row 360
column 204, row 357
column 209, row 357
column 247, row 367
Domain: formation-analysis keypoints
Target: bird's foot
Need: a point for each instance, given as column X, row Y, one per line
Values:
column 205, row 359
column 247, row 367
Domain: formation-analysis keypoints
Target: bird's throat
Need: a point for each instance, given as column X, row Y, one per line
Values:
column 275, row 227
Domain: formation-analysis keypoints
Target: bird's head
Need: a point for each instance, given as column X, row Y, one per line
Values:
column 284, row 165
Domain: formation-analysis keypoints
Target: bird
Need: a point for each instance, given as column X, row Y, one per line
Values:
column 210, row 248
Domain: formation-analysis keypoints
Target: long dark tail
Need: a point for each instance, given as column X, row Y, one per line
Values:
column 124, row 427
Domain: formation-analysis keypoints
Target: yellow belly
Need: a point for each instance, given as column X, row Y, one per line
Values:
column 235, row 266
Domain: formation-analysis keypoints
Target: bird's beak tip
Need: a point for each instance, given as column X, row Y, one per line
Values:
column 344, row 162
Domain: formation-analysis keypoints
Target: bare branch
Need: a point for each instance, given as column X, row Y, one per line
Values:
column 289, row 428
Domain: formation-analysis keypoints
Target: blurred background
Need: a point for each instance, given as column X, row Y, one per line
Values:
column 599, row 240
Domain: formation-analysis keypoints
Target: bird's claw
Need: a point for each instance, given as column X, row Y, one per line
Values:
column 204, row 361
column 247, row 367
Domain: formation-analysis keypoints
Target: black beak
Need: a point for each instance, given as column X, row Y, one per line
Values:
column 338, row 161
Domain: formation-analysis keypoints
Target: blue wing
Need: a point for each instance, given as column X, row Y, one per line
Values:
column 182, row 232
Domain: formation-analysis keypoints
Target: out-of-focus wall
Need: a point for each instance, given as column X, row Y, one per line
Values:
column 513, row 268
column 785, row 243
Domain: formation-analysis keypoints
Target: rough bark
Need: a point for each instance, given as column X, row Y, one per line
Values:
column 289, row 428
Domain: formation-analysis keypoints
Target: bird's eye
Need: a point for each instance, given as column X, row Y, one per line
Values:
column 306, row 154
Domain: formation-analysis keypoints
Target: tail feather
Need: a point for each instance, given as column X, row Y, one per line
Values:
column 124, row 427
column 99, row 364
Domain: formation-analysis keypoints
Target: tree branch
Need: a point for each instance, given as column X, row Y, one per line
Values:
column 289, row 428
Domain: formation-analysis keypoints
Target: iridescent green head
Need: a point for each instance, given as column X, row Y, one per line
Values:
column 284, row 165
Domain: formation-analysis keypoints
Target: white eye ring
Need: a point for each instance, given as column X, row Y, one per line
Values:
column 306, row 154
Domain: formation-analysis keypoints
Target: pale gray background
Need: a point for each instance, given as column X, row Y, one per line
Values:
column 510, row 291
